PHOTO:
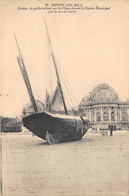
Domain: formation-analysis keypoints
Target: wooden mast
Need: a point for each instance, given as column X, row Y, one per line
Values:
column 25, row 77
column 57, row 74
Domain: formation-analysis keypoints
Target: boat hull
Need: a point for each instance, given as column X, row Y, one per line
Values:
column 56, row 128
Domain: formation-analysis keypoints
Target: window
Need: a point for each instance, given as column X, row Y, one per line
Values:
column 124, row 114
column 112, row 116
column 98, row 116
column 105, row 116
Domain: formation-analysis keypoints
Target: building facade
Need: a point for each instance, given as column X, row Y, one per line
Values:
column 103, row 107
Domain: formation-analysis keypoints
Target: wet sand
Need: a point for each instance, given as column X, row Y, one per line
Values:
column 96, row 165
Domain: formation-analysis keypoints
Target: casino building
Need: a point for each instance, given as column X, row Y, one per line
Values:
column 103, row 107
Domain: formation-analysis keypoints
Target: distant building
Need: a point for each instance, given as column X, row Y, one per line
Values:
column 10, row 124
column 103, row 107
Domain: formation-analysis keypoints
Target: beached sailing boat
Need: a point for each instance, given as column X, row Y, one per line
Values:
column 52, row 127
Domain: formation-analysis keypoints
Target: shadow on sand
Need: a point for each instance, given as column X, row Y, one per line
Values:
column 84, row 140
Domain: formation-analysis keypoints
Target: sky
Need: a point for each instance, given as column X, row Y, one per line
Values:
column 91, row 47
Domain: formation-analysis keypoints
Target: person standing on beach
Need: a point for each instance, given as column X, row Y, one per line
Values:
column 111, row 130
column 109, row 127
column 114, row 128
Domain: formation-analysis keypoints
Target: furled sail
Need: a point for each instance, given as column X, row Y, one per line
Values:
column 56, row 101
column 48, row 102
column 53, row 102
column 26, row 78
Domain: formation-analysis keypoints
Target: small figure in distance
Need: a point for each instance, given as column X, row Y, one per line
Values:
column 111, row 130
column 114, row 128
column 109, row 127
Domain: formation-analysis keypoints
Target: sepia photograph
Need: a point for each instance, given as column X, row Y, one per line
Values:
column 64, row 98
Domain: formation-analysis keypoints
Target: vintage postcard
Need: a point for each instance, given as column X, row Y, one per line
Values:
column 64, row 91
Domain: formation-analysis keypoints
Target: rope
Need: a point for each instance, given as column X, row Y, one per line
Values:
column 67, row 90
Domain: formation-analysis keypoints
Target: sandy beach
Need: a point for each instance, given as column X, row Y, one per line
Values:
column 96, row 165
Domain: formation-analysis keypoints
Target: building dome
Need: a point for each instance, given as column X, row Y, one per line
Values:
column 102, row 93
column 102, row 107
